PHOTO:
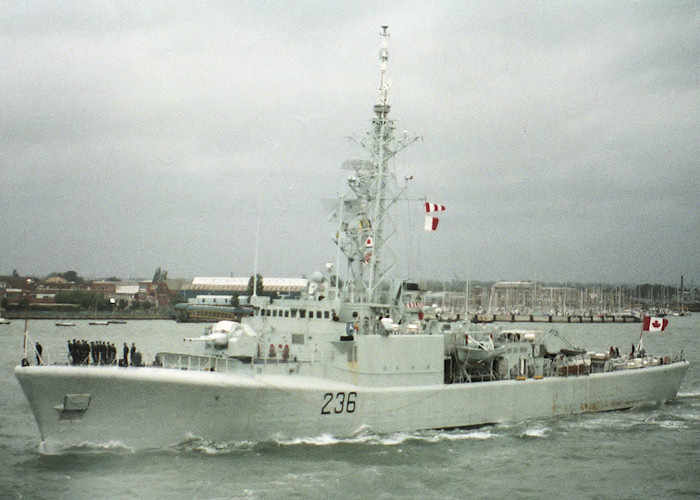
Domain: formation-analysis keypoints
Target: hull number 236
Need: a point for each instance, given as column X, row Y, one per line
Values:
column 338, row 402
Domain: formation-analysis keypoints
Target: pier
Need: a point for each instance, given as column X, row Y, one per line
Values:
column 542, row 318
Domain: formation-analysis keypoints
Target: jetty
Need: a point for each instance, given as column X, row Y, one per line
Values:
column 554, row 318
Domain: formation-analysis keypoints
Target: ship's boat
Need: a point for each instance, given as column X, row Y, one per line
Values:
column 338, row 359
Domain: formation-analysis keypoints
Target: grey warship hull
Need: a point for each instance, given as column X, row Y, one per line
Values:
column 157, row 407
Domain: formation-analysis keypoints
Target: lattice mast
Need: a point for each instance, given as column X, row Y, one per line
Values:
column 366, row 225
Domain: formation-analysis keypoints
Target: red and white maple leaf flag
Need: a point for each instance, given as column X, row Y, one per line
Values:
column 652, row 324
column 431, row 223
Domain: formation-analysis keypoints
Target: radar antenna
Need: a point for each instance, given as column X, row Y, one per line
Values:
column 383, row 82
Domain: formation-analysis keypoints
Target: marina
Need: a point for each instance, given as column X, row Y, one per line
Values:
column 339, row 361
column 551, row 318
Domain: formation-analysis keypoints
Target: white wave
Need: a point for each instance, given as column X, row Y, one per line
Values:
column 85, row 447
column 367, row 437
column 536, row 433
column 199, row 445
column 364, row 438
column 479, row 435
column 322, row 440
column 216, row 448
column 673, row 424
column 440, row 436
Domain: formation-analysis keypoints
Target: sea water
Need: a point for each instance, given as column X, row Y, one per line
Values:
column 647, row 452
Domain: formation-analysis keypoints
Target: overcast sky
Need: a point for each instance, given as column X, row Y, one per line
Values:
column 563, row 137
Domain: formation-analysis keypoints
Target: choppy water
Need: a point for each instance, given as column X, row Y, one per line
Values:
column 649, row 452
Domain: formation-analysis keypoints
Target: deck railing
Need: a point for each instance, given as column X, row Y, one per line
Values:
column 203, row 362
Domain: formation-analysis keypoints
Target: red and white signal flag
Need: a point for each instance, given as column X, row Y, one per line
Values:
column 431, row 223
column 433, row 207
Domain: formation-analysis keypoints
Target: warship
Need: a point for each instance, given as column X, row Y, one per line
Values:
column 352, row 354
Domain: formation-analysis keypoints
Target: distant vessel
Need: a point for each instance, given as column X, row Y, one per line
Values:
column 341, row 359
column 4, row 321
column 65, row 323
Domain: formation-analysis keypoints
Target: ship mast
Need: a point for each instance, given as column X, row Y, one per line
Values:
column 365, row 222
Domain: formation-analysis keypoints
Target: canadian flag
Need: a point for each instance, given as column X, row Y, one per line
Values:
column 652, row 324
column 431, row 223
column 368, row 242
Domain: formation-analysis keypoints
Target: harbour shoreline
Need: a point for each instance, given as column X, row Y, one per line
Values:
column 53, row 315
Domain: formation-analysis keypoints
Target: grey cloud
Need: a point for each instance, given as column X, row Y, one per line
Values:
column 562, row 138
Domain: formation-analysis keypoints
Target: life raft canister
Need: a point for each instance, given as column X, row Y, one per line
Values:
column 273, row 352
column 285, row 353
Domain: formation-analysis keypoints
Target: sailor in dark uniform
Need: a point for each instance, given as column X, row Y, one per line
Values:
column 39, row 351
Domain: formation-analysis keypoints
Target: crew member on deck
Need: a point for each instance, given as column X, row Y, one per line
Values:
column 39, row 351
